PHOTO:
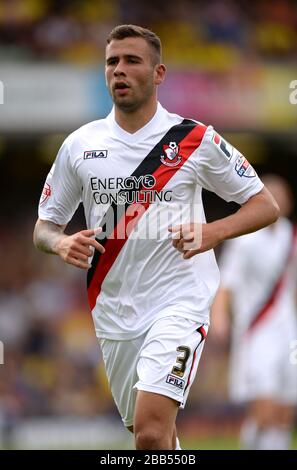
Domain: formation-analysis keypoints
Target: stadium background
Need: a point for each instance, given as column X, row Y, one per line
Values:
column 229, row 64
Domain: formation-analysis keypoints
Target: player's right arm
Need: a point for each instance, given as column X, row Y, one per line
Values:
column 59, row 200
column 73, row 249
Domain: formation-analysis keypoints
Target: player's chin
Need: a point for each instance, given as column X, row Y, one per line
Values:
column 126, row 104
column 120, row 94
column 121, row 99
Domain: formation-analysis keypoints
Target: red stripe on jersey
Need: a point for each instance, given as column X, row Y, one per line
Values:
column 263, row 313
column 114, row 244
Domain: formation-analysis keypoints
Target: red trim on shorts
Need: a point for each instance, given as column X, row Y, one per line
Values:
column 203, row 333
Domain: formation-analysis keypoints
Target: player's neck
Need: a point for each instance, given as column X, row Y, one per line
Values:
column 132, row 122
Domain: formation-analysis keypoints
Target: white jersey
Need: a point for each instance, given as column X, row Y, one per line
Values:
column 260, row 271
column 160, row 169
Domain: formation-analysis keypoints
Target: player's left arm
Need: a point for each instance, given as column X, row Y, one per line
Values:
column 259, row 211
column 221, row 168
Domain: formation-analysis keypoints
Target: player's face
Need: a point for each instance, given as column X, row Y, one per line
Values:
column 131, row 75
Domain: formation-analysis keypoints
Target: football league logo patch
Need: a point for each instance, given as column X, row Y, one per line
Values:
column 171, row 156
column 244, row 168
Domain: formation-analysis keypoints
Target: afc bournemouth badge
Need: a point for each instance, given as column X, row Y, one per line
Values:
column 171, row 156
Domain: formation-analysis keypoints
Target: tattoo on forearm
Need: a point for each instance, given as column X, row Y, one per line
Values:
column 46, row 236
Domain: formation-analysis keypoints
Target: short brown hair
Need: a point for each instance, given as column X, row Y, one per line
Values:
column 132, row 31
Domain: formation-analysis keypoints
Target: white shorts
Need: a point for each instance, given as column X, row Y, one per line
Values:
column 261, row 365
column 164, row 360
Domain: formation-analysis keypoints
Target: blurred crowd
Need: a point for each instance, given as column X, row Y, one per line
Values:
column 51, row 356
column 192, row 31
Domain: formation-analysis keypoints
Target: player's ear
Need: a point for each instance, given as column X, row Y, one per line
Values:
column 159, row 73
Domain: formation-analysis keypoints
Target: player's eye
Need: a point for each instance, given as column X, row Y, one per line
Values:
column 111, row 62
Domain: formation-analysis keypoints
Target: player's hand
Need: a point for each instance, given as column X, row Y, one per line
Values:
column 77, row 248
column 193, row 238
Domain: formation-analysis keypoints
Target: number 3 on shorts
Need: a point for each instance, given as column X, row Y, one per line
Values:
column 182, row 358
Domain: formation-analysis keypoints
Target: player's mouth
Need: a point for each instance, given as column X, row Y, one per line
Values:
column 121, row 87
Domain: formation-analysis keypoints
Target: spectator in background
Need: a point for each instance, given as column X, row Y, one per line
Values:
column 258, row 284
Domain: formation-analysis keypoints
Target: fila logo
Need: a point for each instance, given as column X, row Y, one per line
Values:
column 223, row 146
column 179, row 383
column 95, row 154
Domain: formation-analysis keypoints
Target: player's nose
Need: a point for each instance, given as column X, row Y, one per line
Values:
column 119, row 69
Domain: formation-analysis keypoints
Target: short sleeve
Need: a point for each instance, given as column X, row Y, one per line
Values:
column 61, row 193
column 222, row 169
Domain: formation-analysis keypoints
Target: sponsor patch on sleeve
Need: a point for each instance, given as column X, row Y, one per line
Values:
column 46, row 193
column 223, row 146
column 244, row 168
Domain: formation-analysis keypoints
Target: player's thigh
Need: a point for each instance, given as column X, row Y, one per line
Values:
column 269, row 412
column 286, row 415
column 155, row 411
column 264, row 411
column 120, row 359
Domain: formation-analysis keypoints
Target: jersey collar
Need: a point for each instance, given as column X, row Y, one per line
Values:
column 142, row 133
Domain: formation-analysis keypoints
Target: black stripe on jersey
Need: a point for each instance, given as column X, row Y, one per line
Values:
column 148, row 166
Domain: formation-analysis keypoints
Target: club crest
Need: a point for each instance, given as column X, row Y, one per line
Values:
column 171, row 155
